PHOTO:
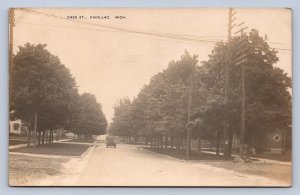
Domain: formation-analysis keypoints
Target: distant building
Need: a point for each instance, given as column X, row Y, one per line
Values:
column 279, row 141
column 17, row 127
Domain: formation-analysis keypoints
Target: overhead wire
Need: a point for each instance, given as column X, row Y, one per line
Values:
column 181, row 37
column 164, row 35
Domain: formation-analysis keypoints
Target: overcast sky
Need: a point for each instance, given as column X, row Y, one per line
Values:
column 112, row 64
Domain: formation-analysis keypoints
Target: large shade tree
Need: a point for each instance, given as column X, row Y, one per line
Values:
column 268, row 101
column 122, row 123
column 161, row 107
column 90, row 119
column 41, row 88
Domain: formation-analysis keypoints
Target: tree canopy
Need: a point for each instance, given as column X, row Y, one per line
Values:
column 40, row 83
column 91, row 120
column 161, row 107
column 42, row 86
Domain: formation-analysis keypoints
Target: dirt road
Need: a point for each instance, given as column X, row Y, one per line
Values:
column 129, row 165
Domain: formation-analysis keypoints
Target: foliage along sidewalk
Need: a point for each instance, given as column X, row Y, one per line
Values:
column 61, row 149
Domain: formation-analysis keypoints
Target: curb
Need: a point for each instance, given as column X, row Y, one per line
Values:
column 53, row 156
column 87, row 151
column 43, row 155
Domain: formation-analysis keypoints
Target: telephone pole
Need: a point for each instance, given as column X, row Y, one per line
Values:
column 190, row 101
column 231, row 19
column 242, row 138
column 11, row 36
column 240, row 61
column 11, row 15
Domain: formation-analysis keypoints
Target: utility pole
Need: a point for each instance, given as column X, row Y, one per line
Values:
column 243, row 96
column 240, row 61
column 11, row 36
column 34, row 129
column 11, row 14
column 35, row 120
column 231, row 19
column 190, row 102
column 242, row 138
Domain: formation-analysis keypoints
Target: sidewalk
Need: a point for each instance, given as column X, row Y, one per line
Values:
column 258, row 160
column 42, row 169
column 24, row 145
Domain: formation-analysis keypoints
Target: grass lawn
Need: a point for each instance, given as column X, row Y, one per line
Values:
column 279, row 172
column 17, row 142
column 80, row 141
column 25, row 170
column 55, row 149
column 286, row 157
column 182, row 154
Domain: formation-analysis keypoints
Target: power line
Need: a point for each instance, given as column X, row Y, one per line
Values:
column 182, row 37
column 172, row 36
column 173, row 39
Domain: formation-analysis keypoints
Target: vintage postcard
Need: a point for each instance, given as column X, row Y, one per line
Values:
column 150, row 97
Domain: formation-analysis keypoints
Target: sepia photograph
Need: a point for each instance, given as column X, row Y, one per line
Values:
column 142, row 97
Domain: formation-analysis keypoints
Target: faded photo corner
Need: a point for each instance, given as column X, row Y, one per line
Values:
column 188, row 97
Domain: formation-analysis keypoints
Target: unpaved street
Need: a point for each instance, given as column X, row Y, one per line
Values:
column 129, row 165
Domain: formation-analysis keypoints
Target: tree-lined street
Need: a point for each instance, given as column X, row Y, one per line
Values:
column 220, row 121
column 187, row 100
column 128, row 165
column 134, row 166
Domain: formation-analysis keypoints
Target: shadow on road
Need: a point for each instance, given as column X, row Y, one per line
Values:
column 182, row 155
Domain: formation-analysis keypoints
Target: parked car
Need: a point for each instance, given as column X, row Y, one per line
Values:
column 111, row 141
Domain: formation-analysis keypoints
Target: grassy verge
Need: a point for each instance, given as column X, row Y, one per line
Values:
column 279, row 172
column 17, row 142
column 25, row 170
column 182, row 154
column 80, row 141
column 55, row 149
column 286, row 157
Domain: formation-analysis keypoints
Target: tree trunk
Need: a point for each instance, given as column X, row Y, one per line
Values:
column 136, row 139
column 43, row 137
column 159, row 142
column 177, row 144
column 28, row 138
column 218, row 143
column 199, row 145
column 151, row 142
column 249, row 145
column 166, row 142
column 51, row 132
column 230, row 144
column 49, row 136
column 39, row 138
column 172, row 143
column 35, row 128
column 181, row 143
